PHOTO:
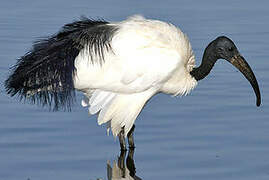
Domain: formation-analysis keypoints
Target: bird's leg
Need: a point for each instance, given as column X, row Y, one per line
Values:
column 131, row 138
column 122, row 140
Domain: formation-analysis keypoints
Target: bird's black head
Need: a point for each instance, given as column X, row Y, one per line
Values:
column 225, row 48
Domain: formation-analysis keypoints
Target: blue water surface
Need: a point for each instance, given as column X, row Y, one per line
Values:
column 216, row 132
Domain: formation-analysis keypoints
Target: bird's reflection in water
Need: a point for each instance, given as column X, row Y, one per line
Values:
column 121, row 170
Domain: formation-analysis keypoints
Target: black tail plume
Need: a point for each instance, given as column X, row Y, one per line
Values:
column 45, row 74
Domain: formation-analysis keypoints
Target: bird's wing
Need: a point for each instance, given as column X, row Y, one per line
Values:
column 149, row 51
column 141, row 58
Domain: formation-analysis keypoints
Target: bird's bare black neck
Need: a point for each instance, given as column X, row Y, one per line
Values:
column 208, row 61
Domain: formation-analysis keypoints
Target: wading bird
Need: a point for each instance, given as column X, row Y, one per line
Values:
column 118, row 66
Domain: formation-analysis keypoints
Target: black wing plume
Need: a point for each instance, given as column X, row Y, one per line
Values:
column 44, row 75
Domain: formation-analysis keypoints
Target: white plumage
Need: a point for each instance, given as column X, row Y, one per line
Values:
column 146, row 57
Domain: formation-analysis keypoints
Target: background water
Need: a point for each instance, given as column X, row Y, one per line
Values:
column 216, row 132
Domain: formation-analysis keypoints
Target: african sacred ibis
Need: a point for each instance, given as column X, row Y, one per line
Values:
column 118, row 66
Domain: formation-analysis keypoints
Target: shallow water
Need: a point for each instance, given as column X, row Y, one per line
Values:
column 216, row 132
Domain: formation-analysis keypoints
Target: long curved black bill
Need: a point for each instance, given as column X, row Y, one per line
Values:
column 241, row 64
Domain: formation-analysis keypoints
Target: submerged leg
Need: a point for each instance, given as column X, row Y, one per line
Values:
column 121, row 163
column 122, row 140
column 131, row 138
column 130, row 162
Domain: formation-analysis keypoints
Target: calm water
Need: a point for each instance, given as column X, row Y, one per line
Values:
column 216, row 132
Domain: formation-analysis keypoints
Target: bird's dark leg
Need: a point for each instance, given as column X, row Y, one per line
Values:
column 122, row 140
column 131, row 138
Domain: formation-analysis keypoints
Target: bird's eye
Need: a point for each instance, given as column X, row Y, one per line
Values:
column 220, row 49
column 230, row 48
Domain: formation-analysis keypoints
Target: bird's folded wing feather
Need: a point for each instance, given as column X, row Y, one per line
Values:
column 140, row 58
